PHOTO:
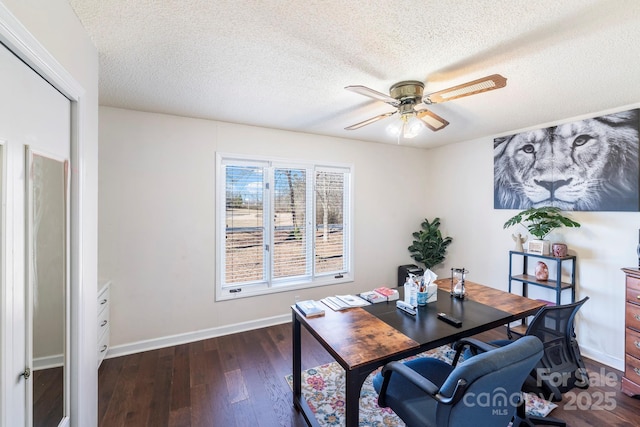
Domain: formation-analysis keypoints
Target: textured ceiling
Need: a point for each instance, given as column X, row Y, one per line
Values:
column 284, row 64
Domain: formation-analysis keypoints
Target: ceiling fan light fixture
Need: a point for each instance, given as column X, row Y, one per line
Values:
column 394, row 128
column 412, row 126
column 408, row 127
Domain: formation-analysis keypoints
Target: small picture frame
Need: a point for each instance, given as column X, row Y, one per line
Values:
column 538, row 247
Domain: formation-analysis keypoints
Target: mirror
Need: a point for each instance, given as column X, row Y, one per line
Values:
column 2, row 272
column 47, row 278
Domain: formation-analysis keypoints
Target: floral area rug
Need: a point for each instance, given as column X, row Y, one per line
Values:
column 323, row 388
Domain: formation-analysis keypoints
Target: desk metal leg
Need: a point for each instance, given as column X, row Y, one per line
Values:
column 354, row 381
column 298, row 401
column 297, row 360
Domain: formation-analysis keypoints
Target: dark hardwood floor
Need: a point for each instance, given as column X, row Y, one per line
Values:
column 238, row 380
column 47, row 397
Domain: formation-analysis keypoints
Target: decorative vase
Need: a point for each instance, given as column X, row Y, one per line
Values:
column 542, row 271
column 559, row 250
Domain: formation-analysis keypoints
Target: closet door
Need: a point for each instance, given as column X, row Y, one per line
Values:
column 35, row 136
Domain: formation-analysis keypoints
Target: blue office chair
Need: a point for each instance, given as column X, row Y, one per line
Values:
column 482, row 391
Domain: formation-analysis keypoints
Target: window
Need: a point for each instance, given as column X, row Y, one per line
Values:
column 282, row 225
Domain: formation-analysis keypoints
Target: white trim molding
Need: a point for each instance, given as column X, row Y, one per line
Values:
column 603, row 358
column 168, row 341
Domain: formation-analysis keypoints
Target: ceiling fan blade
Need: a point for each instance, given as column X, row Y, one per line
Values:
column 485, row 84
column 369, row 121
column 432, row 120
column 363, row 90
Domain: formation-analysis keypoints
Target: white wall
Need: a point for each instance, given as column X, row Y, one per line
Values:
column 54, row 24
column 605, row 243
column 157, row 229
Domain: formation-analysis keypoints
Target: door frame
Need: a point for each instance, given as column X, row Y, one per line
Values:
column 83, row 354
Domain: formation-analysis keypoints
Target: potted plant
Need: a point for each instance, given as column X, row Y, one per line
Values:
column 539, row 222
column 429, row 247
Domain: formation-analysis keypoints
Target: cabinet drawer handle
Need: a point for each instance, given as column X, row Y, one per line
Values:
column 637, row 317
column 104, row 301
column 104, row 348
column 104, row 322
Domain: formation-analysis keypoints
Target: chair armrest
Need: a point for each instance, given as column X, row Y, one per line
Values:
column 419, row 381
column 476, row 346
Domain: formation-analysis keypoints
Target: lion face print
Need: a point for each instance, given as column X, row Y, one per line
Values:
column 590, row 164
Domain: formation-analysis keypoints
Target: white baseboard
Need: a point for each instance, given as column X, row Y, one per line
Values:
column 605, row 359
column 48, row 362
column 168, row 341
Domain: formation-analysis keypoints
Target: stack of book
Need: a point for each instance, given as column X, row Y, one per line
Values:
column 310, row 308
column 388, row 293
column 373, row 297
column 381, row 294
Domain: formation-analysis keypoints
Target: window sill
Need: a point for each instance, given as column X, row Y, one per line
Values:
column 253, row 290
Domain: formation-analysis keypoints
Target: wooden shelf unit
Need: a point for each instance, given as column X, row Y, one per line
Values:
column 557, row 284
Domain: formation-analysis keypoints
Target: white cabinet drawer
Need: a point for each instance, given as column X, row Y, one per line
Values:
column 103, row 322
column 103, row 299
column 103, row 346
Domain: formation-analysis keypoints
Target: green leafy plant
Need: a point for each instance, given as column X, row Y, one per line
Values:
column 541, row 221
column 429, row 247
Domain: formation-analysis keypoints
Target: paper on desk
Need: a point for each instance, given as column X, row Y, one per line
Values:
column 353, row 300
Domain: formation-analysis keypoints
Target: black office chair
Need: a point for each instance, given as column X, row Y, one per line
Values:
column 561, row 368
column 427, row 392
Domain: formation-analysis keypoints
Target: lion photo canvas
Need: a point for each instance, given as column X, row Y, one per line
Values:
column 586, row 165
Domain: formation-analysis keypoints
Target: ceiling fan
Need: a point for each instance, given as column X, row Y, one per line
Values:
column 407, row 96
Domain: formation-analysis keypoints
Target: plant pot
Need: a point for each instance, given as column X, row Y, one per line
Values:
column 538, row 247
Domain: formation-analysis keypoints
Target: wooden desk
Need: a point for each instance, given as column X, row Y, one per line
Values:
column 361, row 342
column 505, row 301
